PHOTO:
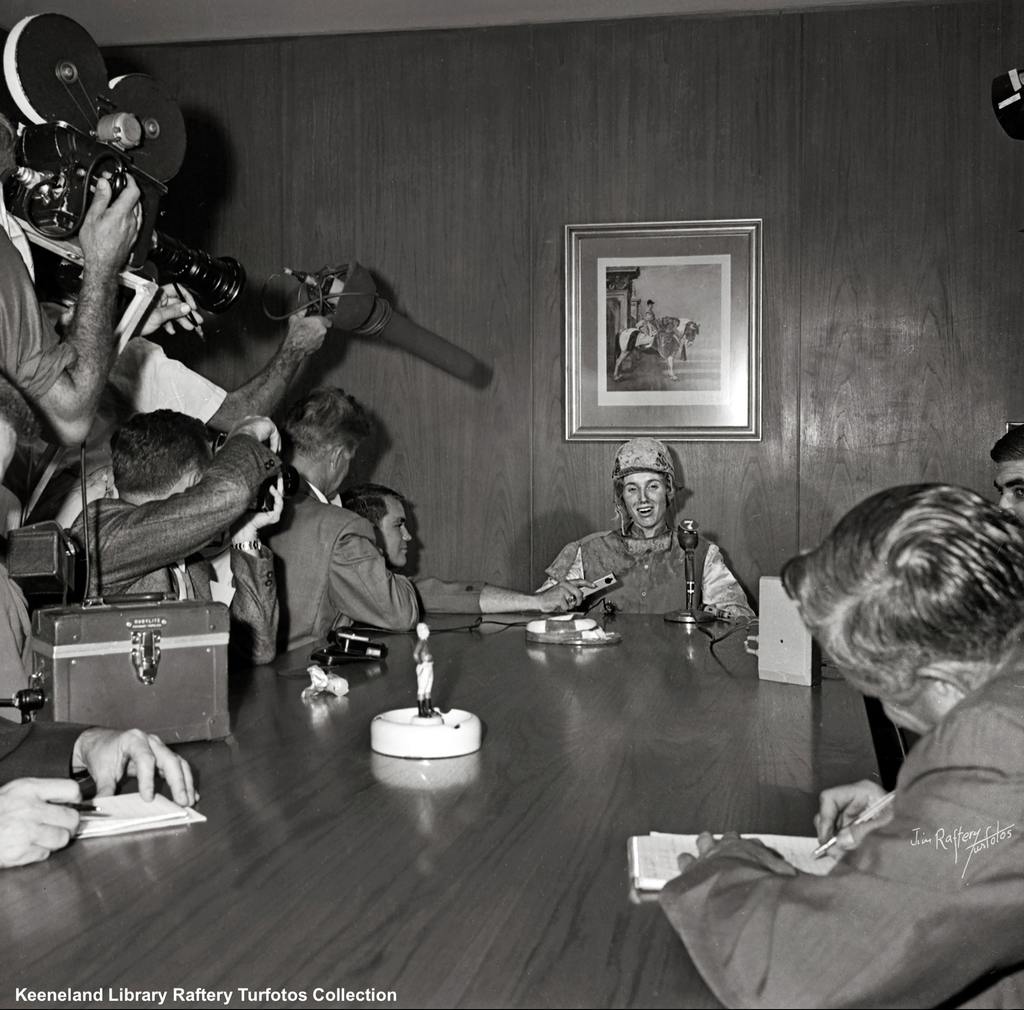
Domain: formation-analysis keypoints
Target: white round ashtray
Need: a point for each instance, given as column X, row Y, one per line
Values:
column 401, row 732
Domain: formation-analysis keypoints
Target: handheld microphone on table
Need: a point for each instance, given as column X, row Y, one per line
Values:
column 688, row 540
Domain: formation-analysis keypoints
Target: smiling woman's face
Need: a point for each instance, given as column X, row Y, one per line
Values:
column 645, row 496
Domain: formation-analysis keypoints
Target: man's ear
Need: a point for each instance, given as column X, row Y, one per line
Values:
column 378, row 539
column 342, row 457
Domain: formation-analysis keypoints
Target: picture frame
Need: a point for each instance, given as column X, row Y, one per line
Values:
column 663, row 330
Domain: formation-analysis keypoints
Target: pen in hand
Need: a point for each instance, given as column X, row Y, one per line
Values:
column 82, row 808
column 866, row 815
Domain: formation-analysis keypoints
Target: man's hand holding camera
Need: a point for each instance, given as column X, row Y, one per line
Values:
column 260, row 428
column 111, row 227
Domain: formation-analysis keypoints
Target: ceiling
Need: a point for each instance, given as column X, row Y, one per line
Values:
column 135, row 22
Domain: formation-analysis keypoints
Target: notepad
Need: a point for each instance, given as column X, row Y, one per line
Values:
column 129, row 812
column 653, row 862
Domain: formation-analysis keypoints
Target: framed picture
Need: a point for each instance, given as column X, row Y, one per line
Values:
column 663, row 331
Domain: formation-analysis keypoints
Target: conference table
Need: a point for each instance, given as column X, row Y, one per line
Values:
column 330, row 875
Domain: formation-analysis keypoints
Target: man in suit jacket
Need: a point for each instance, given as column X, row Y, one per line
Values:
column 917, row 597
column 330, row 571
column 36, row 762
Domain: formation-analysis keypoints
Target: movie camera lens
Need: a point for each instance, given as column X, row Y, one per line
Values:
column 216, row 282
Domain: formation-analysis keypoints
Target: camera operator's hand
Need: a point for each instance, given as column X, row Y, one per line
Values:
column 260, row 428
column 175, row 306
column 110, row 227
column 248, row 532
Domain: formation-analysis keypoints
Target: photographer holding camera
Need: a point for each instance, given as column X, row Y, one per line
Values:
column 174, row 498
column 62, row 380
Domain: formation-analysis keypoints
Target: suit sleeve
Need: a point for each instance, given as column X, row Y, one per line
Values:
column 363, row 589
column 36, row 750
column 926, row 906
column 136, row 541
column 254, row 606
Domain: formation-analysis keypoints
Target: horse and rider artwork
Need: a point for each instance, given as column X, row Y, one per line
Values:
column 667, row 338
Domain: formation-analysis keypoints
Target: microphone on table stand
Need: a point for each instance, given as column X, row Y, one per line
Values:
column 688, row 539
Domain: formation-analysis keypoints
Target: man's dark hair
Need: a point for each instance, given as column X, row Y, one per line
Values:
column 152, row 451
column 911, row 578
column 323, row 419
column 370, row 501
column 1010, row 447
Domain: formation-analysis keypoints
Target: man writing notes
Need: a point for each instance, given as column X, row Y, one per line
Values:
column 644, row 553
column 33, row 820
column 917, row 596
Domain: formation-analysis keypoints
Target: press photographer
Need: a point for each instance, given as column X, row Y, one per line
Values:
column 174, row 498
column 130, row 131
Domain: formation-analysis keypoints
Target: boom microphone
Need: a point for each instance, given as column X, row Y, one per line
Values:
column 349, row 296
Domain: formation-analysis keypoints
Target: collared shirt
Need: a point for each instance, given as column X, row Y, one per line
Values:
column 317, row 493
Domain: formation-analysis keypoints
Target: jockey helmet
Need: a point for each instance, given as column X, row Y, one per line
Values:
column 644, row 455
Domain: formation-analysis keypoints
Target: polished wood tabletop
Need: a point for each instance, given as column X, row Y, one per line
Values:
column 497, row 879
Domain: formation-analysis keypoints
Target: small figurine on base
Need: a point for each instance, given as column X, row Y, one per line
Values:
column 424, row 670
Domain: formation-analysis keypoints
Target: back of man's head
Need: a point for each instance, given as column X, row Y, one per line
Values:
column 370, row 501
column 1010, row 447
column 152, row 452
column 918, row 576
column 325, row 419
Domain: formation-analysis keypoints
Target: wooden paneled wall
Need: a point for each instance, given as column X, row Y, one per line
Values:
column 449, row 163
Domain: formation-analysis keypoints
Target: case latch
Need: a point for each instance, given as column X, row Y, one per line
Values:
column 146, row 654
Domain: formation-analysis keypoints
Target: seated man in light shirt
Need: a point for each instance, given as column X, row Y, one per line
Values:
column 386, row 509
column 917, row 598
column 644, row 554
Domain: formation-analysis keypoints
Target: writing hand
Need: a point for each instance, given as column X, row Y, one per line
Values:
column 174, row 306
column 31, row 826
column 840, row 806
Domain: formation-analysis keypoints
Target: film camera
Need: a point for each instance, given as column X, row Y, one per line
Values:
column 290, row 480
column 79, row 128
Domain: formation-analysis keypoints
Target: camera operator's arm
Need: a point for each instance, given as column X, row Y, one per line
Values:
column 106, row 237
column 254, row 606
column 263, row 393
column 133, row 541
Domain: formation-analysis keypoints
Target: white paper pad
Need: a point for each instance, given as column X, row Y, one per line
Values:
column 130, row 812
